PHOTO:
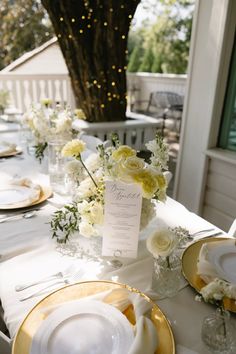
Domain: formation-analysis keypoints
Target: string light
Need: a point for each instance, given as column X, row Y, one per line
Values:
column 95, row 82
column 102, row 105
column 123, row 36
column 113, row 83
column 105, row 24
column 72, row 20
column 59, row 35
column 83, row 17
column 70, row 36
column 89, row 26
column 81, row 31
column 113, row 67
column 119, row 70
column 61, row 19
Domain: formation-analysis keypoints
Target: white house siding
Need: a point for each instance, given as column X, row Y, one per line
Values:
column 49, row 61
column 220, row 194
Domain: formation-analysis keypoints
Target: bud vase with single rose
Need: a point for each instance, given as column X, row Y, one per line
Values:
column 166, row 276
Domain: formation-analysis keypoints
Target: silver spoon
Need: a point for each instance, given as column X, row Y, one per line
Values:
column 27, row 215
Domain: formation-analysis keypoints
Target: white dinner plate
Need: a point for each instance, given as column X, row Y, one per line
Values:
column 223, row 259
column 84, row 327
column 14, row 196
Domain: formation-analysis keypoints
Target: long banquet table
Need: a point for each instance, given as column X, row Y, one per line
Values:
column 27, row 252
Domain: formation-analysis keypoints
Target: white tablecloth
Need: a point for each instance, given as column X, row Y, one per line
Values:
column 28, row 253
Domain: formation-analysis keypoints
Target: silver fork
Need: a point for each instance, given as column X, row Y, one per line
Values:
column 69, row 280
column 59, row 275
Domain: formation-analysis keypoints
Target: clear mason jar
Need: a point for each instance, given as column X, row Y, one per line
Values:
column 219, row 333
column 166, row 276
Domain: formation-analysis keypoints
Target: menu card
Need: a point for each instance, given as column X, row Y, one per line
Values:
column 123, row 203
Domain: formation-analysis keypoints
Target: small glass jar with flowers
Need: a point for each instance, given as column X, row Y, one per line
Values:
column 218, row 331
column 164, row 247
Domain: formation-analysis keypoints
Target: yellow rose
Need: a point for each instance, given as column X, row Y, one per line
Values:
column 73, row 148
column 147, row 181
column 162, row 243
column 126, row 168
column 161, row 181
column 123, row 152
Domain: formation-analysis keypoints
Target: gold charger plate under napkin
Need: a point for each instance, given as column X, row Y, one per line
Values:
column 189, row 268
column 45, row 193
column 23, row 339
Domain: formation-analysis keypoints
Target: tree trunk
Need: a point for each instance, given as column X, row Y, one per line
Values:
column 93, row 35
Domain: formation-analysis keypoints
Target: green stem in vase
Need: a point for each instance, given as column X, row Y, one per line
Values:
column 80, row 159
column 223, row 319
column 168, row 262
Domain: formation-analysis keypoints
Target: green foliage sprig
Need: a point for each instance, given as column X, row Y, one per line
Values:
column 39, row 151
column 65, row 222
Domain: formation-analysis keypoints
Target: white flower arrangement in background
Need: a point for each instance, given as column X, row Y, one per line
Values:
column 116, row 162
column 215, row 291
column 46, row 124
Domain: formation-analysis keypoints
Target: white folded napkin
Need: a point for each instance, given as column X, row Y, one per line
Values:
column 145, row 334
column 26, row 182
column 6, row 148
column 205, row 268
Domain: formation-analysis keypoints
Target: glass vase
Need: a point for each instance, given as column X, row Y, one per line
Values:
column 56, row 166
column 166, row 276
column 218, row 332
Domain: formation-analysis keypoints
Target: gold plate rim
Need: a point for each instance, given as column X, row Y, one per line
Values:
column 192, row 278
column 155, row 309
column 45, row 193
column 13, row 153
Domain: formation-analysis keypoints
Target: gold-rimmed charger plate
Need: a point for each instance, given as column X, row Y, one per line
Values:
column 189, row 268
column 45, row 193
column 17, row 151
column 28, row 328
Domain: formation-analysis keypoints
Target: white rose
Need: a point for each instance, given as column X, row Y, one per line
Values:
column 162, row 243
column 86, row 229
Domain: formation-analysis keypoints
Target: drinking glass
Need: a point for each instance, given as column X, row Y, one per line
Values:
column 56, row 166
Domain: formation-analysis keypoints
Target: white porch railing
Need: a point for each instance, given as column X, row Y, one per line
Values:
column 27, row 88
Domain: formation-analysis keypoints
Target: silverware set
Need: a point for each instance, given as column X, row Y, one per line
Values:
column 23, row 215
column 67, row 276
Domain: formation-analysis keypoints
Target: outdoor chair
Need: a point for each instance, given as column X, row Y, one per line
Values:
column 168, row 106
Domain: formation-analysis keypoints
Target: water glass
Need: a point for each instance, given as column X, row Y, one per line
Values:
column 56, row 166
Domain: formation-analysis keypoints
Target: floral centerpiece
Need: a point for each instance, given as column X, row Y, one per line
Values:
column 46, row 124
column 218, row 332
column 114, row 162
